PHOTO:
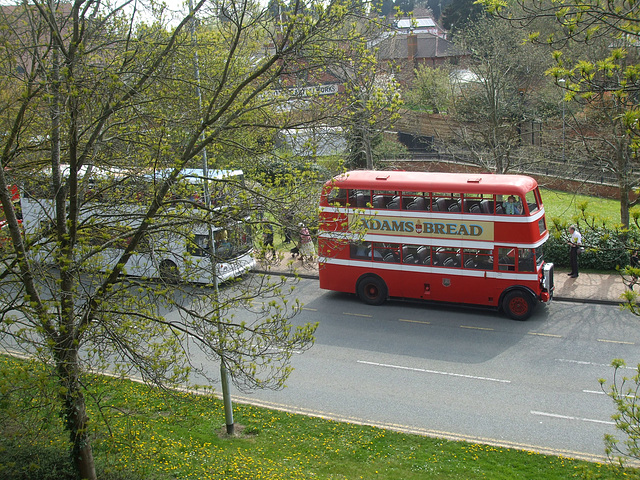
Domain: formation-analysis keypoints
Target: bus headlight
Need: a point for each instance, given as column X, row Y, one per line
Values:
column 547, row 277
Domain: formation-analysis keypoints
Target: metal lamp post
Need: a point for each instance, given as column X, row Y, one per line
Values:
column 562, row 83
column 224, row 372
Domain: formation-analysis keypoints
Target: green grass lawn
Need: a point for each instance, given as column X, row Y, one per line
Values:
column 153, row 435
column 566, row 206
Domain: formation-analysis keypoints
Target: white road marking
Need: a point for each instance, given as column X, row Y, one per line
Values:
column 413, row 321
column 593, row 364
column 567, row 417
column 621, row 342
column 545, row 334
column 435, row 372
column 596, row 392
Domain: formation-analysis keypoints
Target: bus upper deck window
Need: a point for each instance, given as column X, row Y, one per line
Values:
column 510, row 205
column 446, row 202
column 532, row 201
column 417, row 201
column 360, row 198
column 472, row 203
column 385, row 200
column 337, row 196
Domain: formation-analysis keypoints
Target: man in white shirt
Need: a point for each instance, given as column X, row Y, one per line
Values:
column 575, row 242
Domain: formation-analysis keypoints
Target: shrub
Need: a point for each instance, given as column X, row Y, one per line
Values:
column 605, row 248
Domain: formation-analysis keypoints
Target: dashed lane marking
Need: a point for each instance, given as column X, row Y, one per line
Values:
column 434, row 372
column 568, row 417
column 621, row 342
column 413, row 321
column 357, row 315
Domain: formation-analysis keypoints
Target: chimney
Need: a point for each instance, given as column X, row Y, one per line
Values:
column 412, row 47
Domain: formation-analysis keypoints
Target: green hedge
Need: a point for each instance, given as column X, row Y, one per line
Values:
column 605, row 248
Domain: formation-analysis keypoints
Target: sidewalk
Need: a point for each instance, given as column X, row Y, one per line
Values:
column 587, row 288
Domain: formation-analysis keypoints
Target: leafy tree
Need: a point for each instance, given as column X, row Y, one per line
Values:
column 624, row 391
column 499, row 98
column 97, row 90
column 371, row 103
column 459, row 14
column 607, row 79
column 430, row 90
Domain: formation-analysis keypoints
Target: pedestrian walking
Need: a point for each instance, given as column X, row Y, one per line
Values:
column 288, row 221
column 267, row 240
column 307, row 248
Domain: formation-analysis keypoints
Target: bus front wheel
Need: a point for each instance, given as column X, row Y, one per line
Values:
column 372, row 290
column 517, row 305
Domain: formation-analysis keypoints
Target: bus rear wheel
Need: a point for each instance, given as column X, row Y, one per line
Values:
column 169, row 272
column 372, row 290
column 518, row 305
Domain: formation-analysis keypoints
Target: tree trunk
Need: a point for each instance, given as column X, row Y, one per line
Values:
column 624, row 203
column 75, row 416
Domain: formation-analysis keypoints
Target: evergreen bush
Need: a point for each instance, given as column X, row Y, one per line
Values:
column 605, row 248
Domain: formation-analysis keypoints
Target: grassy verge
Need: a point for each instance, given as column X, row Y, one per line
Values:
column 567, row 206
column 154, row 435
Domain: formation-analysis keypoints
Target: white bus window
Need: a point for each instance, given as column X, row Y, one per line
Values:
column 199, row 246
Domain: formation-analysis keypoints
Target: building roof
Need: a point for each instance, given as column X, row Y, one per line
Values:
column 429, row 46
column 415, row 24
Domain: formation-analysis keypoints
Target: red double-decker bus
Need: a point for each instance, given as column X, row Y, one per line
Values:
column 460, row 238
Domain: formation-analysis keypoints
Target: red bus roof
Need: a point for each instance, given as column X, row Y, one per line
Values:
column 434, row 182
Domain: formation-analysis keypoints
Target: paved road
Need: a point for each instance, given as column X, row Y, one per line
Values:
column 462, row 373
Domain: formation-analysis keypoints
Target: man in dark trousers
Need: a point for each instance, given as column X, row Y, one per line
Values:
column 575, row 243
